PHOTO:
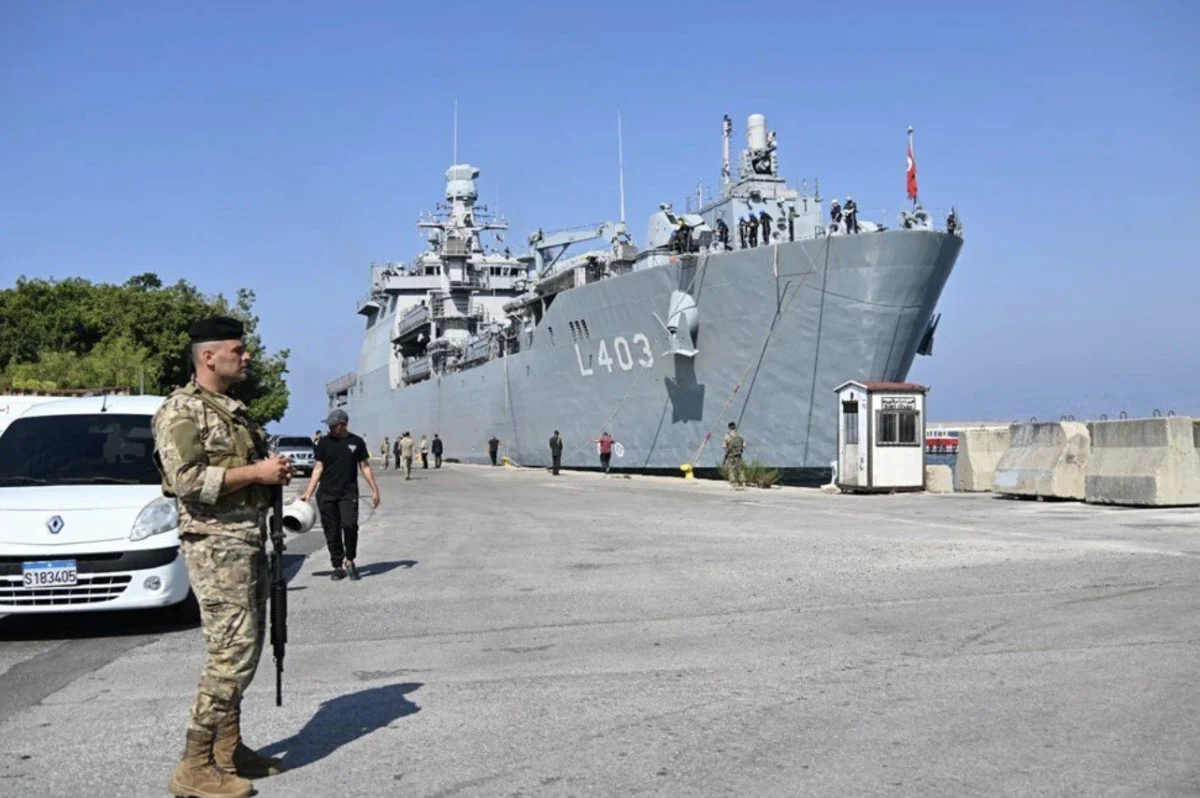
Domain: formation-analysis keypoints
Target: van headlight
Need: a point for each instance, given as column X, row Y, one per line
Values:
column 160, row 515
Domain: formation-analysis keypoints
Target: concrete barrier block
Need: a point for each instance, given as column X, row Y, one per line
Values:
column 939, row 479
column 979, row 452
column 1047, row 460
column 1147, row 462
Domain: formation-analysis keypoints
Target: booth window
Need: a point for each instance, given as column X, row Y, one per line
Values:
column 850, row 414
column 898, row 428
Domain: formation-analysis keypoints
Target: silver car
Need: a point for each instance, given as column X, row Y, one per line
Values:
column 300, row 449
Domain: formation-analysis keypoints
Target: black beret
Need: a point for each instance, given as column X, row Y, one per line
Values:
column 216, row 328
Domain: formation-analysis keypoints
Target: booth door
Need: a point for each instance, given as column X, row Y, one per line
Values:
column 848, row 467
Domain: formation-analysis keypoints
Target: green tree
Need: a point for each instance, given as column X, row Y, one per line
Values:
column 75, row 334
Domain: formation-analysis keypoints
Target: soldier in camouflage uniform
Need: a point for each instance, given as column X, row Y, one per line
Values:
column 734, row 444
column 215, row 460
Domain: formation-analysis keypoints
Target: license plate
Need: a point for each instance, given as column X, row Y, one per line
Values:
column 54, row 573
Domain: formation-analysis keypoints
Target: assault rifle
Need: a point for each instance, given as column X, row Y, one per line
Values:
column 278, row 610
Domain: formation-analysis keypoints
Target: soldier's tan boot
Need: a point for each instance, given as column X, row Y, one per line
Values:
column 198, row 777
column 234, row 757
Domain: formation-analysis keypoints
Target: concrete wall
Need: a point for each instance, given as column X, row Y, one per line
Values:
column 979, row 452
column 1149, row 462
column 1045, row 459
column 938, row 479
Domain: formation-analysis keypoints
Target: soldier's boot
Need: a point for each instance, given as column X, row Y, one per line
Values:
column 236, row 758
column 197, row 776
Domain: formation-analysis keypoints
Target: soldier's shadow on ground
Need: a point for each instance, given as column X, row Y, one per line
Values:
column 342, row 720
column 375, row 568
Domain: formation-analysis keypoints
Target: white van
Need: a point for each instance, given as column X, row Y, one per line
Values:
column 83, row 522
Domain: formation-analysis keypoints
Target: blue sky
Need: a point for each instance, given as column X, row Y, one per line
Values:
column 284, row 146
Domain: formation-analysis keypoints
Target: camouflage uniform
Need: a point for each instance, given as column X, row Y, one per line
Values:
column 198, row 435
column 406, row 455
column 734, row 444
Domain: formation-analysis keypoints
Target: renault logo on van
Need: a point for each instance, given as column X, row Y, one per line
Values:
column 55, row 525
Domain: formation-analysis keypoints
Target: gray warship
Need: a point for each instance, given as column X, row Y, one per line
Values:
column 750, row 308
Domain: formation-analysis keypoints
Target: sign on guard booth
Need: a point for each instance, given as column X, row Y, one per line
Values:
column 881, row 436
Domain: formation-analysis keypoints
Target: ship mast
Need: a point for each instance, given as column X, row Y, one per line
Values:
column 726, row 132
column 621, row 166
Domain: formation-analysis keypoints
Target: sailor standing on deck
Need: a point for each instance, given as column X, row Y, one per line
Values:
column 835, row 212
column 765, row 220
column 851, row 211
column 742, row 231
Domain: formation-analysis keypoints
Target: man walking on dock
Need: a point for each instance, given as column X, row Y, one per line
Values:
column 406, row 454
column 606, row 447
column 493, row 448
column 555, row 453
column 437, row 451
column 734, row 444
column 340, row 455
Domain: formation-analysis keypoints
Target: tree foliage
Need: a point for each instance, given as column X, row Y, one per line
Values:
column 75, row 334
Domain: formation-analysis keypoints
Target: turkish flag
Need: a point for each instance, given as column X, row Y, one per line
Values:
column 912, row 173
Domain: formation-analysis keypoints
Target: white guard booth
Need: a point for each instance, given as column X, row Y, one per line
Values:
column 881, row 436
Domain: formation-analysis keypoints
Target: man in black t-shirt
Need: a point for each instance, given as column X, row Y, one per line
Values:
column 340, row 455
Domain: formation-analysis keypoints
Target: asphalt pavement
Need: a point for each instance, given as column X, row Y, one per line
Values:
column 517, row 634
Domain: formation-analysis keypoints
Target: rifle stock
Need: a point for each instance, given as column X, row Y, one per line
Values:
column 278, row 595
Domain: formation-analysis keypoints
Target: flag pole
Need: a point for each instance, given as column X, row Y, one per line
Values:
column 912, row 168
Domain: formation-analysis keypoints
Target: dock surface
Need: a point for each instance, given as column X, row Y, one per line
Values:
column 518, row 634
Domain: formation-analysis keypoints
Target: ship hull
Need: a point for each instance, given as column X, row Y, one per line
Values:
column 778, row 329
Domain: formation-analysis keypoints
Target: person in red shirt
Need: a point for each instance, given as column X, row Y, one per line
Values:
column 606, row 444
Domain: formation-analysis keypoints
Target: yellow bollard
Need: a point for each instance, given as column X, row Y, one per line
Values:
column 686, row 468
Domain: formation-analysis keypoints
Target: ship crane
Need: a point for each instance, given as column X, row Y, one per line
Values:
column 547, row 249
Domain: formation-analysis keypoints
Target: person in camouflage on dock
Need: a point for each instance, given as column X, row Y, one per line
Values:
column 215, row 461
column 734, row 445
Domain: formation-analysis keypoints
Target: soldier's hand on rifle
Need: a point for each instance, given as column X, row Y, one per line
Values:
column 275, row 470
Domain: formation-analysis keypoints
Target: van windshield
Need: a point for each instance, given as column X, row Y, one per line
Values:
column 96, row 449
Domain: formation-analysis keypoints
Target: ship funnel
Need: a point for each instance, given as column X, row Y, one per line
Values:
column 756, row 132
